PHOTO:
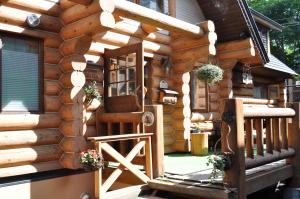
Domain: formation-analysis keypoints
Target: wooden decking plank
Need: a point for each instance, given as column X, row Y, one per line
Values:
column 190, row 189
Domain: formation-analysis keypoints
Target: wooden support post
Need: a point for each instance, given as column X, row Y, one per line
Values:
column 148, row 158
column 235, row 177
column 98, row 175
column 122, row 144
column 157, row 139
column 295, row 144
column 249, row 137
column 283, row 130
column 276, row 133
column 259, row 136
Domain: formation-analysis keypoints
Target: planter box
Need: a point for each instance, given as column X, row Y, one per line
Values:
column 199, row 144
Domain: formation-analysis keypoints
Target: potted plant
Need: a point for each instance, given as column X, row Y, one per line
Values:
column 91, row 92
column 91, row 160
column 210, row 74
column 220, row 163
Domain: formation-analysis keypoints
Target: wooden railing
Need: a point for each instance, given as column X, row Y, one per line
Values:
column 256, row 136
column 102, row 145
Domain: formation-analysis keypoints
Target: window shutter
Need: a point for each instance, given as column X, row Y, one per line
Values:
column 20, row 75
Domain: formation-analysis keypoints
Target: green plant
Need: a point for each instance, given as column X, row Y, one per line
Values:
column 219, row 164
column 91, row 92
column 210, row 74
column 91, row 159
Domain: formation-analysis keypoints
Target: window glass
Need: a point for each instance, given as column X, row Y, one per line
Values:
column 153, row 4
column 20, row 87
column 199, row 94
column 122, row 76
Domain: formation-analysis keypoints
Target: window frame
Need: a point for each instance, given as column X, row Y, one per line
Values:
column 192, row 86
column 40, row 71
column 162, row 5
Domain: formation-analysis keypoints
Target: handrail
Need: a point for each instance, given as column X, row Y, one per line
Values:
column 263, row 112
column 116, row 138
column 257, row 101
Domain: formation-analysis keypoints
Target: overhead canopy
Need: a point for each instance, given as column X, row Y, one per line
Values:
column 233, row 21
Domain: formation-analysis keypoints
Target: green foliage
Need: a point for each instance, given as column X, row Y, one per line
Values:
column 286, row 44
column 91, row 92
column 218, row 162
column 210, row 74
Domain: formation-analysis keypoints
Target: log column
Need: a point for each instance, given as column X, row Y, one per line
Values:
column 186, row 52
column 72, row 97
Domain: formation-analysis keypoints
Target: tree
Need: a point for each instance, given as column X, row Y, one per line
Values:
column 286, row 44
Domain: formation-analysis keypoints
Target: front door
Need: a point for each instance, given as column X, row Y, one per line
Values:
column 124, row 79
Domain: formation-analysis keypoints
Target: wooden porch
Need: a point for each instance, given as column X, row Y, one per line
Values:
column 264, row 154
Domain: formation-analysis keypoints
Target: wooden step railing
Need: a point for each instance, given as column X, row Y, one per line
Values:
column 102, row 145
column 274, row 131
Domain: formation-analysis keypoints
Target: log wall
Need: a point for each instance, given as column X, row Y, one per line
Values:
column 34, row 139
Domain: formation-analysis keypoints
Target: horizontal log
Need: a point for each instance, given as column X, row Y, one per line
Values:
column 79, row 11
column 201, row 117
column 235, row 45
column 40, row 6
column 127, row 27
column 72, row 112
column 82, row 2
column 52, row 87
column 51, row 103
column 48, row 23
column 268, row 112
column 182, row 56
column 188, row 43
column 168, row 129
column 157, row 71
column 70, row 161
column 51, row 40
column 29, row 168
column 134, row 117
column 214, row 106
column 237, row 54
column 91, row 131
column 118, row 39
column 29, row 121
column 149, row 29
column 73, row 62
column 269, row 158
column 93, row 105
column 51, row 71
column 205, row 126
column 9, row 139
column 65, row 4
column 90, row 118
column 52, row 55
column 243, row 92
column 72, row 95
column 258, row 101
column 168, row 140
column 72, row 79
column 213, row 97
column 98, row 22
column 78, row 45
column 72, row 128
column 9, row 157
column 207, row 26
column 73, row 144
column 154, row 18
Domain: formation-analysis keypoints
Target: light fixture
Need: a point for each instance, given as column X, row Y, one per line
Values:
column 33, row 20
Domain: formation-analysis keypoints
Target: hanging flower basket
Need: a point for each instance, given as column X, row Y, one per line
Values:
column 91, row 160
column 210, row 74
column 91, row 92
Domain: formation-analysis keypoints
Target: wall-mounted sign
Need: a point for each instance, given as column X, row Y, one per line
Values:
column 163, row 84
column 148, row 118
column 33, row 20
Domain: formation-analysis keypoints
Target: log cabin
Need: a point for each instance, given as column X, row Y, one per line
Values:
column 142, row 54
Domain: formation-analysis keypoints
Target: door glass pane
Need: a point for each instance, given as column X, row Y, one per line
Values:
column 131, row 89
column 20, row 74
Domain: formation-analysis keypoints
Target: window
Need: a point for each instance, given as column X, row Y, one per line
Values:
column 199, row 94
column 20, row 74
column 157, row 5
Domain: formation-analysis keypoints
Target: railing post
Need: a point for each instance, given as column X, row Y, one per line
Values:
column 233, row 142
column 98, row 176
column 294, row 143
column 157, row 139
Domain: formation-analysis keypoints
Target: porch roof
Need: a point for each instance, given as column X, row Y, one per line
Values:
column 276, row 64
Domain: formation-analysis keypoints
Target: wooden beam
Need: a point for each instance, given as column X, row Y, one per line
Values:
column 235, row 45
column 136, row 12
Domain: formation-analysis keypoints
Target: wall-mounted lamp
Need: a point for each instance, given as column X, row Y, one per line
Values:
column 33, row 20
